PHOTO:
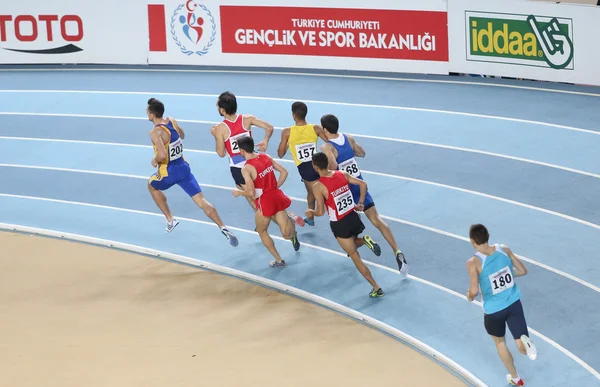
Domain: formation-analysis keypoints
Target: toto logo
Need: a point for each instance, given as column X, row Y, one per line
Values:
column 28, row 33
column 193, row 28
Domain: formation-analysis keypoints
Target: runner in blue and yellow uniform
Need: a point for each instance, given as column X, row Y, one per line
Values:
column 173, row 169
column 301, row 139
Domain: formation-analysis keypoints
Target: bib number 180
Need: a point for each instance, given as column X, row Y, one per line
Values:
column 501, row 280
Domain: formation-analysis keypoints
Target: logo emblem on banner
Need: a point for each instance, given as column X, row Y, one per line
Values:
column 526, row 40
column 193, row 28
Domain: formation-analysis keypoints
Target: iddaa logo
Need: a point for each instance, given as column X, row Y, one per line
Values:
column 193, row 28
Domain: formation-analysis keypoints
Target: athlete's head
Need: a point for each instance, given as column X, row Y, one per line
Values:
column 331, row 124
column 246, row 145
column 227, row 104
column 299, row 111
column 155, row 109
column 479, row 235
column 320, row 162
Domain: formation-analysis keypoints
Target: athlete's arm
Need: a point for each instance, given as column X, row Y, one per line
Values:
column 363, row 189
column 156, row 137
column 219, row 139
column 262, row 146
column 358, row 150
column 283, row 173
column 178, row 128
column 332, row 157
column 320, row 193
column 473, row 279
column 518, row 265
column 319, row 131
column 283, row 145
column 249, row 190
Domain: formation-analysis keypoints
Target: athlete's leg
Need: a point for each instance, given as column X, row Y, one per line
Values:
column 287, row 227
column 310, row 198
column 262, row 224
column 505, row 356
column 156, row 185
column 382, row 226
column 349, row 246
column 518, row 328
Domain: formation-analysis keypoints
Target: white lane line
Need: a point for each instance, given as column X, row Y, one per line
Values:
column 460, row 149
column 398, row 334
column 309, row 74
column 543, row 337
column 334, row 103
column 498, row 198
column 397, row 220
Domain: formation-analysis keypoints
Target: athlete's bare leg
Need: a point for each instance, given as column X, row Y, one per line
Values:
column 209, row 209
column 349, row 246
column 310, row 197
column 250, row 200
column 359, row 242
column 286, row 225
column 383, row 228
column 161, row 201
column 505, row 356
column 262, row 224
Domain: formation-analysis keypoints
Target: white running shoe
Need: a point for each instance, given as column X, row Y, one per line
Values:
column 529, row 347
column 171, row 225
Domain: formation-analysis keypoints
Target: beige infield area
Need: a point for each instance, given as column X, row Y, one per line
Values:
column 74, row 315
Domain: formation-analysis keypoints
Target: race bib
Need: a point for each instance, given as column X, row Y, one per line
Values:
column 350, row 167
column 175, row 150
column 305, row 152
column 235, row 149
column 344, row 202
column 501, row 280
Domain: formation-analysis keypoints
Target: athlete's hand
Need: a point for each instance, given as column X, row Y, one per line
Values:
column 236, row 193
column 469, row 295
column 360, row 207
column 213, row 130
column 262, row 146
column 154, row 163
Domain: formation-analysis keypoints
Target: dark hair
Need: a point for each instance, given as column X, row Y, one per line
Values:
column 330, row 123
column 156, row 107
column 320, row 160
column 228, row 102
column 479, row 234
column 300, row 110
column 246, row 143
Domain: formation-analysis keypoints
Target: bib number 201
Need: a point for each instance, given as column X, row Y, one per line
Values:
column 175, row 150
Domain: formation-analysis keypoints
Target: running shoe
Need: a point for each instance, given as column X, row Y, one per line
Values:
column 376, row 293
column 171, row 225
column 529, row 347
column 372, row 245
column 510, row 381
column 276, row 264
column 295, row 242
column 402, row 264
column 311, row 223
column 297, row 219
column 230, row 237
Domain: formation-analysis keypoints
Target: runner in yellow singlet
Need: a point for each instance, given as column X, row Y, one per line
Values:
column 301, row 139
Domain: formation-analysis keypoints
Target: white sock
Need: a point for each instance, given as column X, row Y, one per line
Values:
column 517, row 379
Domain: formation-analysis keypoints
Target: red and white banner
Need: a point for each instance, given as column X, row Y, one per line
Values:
column 335, row 32
column 402, row 36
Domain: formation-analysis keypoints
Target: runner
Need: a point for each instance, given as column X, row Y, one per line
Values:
column 234, row 127
column 301, row 139
column 173, row 169
column 333, row 190
column 492, row 270
column 341, row 151
column 262, row 186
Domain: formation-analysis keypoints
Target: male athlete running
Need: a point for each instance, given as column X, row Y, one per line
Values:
column 262, row 186
column 234, row 127
column 301, row 139
column 341, row 151
column 173, row 169
column 333, row 191
column 493, row 270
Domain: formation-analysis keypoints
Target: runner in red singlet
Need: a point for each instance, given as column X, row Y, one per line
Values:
column 333, row 191
column 234, row 127
column 262, row 186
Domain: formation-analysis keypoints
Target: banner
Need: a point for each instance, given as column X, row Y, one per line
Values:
column 542, row 41
column 387, row 37
column 72, row 31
